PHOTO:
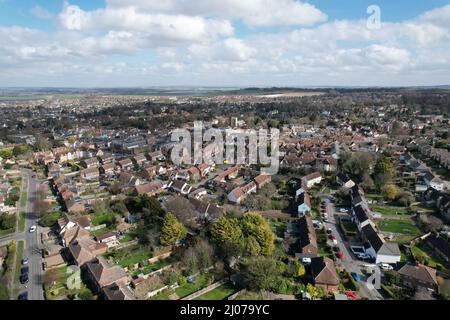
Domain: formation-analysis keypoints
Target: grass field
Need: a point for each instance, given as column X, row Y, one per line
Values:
column 220, row 293
column 186, row 290
column 390, row 210
column 406, row 228
column 19, row 256
column 421, row 253
column 130, row 256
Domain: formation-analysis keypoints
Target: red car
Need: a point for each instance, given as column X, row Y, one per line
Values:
column 332, row 237
column 340, row 255
column 352, row 295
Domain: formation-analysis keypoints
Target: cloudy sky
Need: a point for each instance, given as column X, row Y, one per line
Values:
column 109, row 43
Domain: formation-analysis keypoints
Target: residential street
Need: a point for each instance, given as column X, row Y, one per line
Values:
column 349, row 262
column 32, row 250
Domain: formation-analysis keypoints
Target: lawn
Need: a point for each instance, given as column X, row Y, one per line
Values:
column 130, row 236
column 390, row 210
column 201, row 282
column 401, row 226
column 153, row 267
column 19, row 256
column 106, row 218
column 220, row 293
column 7, row 232
column 129, row 256
column 420, row 253
column 22, row 221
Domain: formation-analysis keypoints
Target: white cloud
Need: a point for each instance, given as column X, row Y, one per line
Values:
column 156, row 44
column 255, row 13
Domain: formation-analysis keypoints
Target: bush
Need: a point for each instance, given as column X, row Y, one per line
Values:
column 388, row 291
column 4, row 293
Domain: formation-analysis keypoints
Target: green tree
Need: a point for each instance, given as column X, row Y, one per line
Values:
column 255, row 226
column 227, row 234
column 172, row 230
column 390, row 192
column 262, row 273
column 384, row 171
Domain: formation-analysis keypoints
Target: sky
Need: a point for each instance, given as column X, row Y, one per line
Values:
column 145, row 43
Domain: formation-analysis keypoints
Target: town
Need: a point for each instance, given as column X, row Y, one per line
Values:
column 92, row 207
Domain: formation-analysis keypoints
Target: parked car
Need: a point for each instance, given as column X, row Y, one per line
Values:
column 386, row 267
column 340, row 255
column 33, row 229
column 356, row 276
column 335, row 242
column 329, row 231
column 23, row 296
column 25, row 261
column 343, row 210
column 24, row 270
column 352, row 295
column 306, row 260
column 332, row 237
column 24, row 278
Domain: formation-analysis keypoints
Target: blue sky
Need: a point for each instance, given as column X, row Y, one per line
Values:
column 223, row 42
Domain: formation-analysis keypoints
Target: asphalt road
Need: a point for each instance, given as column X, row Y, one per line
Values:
column 349, row 262
column 32, row 250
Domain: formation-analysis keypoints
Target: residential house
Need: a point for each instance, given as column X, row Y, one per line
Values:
column 229, row 174
column 417, row 275
column 303, row 204
column 180, row 187
column 240, row 193
column 90, row 174
column 126, row 164
column 312, row 179
column 150, row 172
column 377, row 248
column 306, row 243
column 84, row 250
column 108, row 169
column 194, row 173
column 324, row 274
column 343, row 180
column 139, row 160
column 102, row 274
column 206, row 211
column 90, row 163
column 118, row 292
column 262, row 180
column 106, row 238
column 150, row 189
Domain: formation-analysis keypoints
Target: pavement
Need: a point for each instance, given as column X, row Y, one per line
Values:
column 32, row 248
column 349, row 261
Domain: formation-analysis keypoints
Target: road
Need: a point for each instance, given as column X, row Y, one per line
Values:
column 349, row 262
column 32, row 250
